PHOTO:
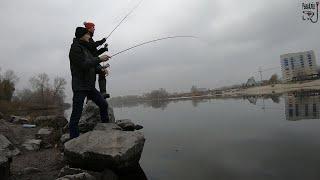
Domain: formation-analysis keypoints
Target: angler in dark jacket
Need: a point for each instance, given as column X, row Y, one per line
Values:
column 93, row 47
column 83, row 70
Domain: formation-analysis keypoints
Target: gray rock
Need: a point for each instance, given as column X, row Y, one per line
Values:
column 98, row 150
column 44, row 132
column 126, row 124
column 91, row 116
column 138, row 127
column 80, row 176
column 32, row 144
column 107, row 127
column 31, row 170
column 46, row 135
column 4, row 167
column 64, row 138
column 7, row 149
column 69, row 171
column 56, row 122
column 19, row 120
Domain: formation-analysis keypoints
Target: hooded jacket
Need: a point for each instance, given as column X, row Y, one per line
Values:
column 83, row 66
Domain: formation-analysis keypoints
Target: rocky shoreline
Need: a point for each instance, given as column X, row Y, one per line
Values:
column 40, row 149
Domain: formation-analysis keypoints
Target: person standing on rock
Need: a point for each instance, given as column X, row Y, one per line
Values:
column 83, row 66
column 95, row 52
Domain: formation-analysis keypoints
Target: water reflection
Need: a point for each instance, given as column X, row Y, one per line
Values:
column 302, row 105
column 253, row 99
column 162, row 104
column 156, row 104
column 298, row 104
column 230, row 139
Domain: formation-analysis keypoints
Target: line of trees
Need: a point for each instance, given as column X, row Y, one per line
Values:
column 157, row 94
column 42, row 92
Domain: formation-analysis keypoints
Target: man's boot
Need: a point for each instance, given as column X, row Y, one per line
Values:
column 103, row 86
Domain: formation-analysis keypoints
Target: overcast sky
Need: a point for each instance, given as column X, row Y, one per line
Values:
column 236, row 38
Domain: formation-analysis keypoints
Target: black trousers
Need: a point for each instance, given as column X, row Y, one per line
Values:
column 77, row 107
column 102, row 84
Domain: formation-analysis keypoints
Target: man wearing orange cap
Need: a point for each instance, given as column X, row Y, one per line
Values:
column 95, row 52
column 83, row 71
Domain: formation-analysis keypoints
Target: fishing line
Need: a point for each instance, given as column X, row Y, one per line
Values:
column 151, row 41
column 124, row 18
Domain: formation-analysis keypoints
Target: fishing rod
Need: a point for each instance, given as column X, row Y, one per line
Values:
column 125, row 17
column 148, row 42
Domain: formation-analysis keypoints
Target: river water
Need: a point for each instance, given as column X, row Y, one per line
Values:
column 226, row 139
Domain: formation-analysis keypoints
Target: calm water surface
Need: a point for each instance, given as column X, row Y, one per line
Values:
column 230, row 139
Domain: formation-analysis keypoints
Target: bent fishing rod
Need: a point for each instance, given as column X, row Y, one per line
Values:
column 151, row 41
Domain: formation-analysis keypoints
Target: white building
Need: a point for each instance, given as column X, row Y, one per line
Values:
column 298, row 66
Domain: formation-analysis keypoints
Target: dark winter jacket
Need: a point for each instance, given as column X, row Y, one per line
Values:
column 93, row 48
column 83, row 66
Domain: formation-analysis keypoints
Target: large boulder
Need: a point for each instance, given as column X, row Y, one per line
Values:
column 4, row 167
column 91, row 116
column 56, row 122
column 101, row 149
column 7, row 149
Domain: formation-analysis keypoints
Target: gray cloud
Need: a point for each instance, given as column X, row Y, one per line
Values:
column 236, row 38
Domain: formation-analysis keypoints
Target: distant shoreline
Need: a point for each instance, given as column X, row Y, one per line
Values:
column 274, row 89
column 281, row 88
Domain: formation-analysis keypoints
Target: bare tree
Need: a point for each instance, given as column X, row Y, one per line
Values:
column 10, row 76
column 25, row 95
column 58, row 88
column 40, row 83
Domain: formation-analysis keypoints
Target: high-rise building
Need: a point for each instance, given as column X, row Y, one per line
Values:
column 298, row 66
